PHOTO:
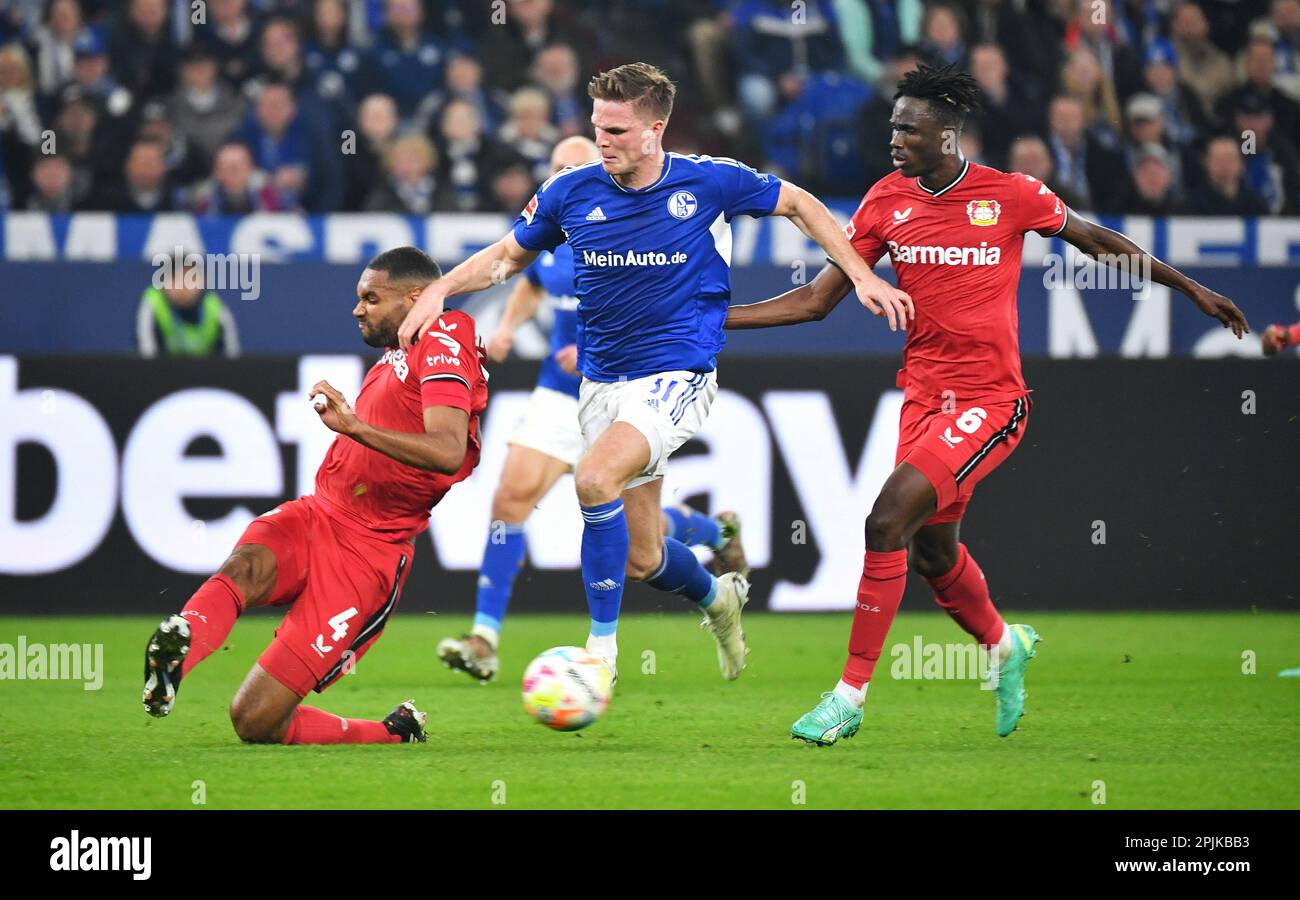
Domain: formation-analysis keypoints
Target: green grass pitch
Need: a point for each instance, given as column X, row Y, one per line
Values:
column 1154, row 709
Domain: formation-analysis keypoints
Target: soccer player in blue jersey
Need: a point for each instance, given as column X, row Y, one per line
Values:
column 546, row 444
column 651, row 240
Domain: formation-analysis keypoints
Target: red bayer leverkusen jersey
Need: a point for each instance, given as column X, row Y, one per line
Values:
column 956, row 252
column 366, row 489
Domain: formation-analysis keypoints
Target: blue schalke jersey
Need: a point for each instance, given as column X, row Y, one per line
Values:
column 553, row 273
column 651, row 266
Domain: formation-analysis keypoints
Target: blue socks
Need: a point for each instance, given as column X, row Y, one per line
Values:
column 681, row 573
column 692, row 528
column 604, row 563
column 502, row 558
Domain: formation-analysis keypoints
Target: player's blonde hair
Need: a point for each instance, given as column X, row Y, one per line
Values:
column 645, row 86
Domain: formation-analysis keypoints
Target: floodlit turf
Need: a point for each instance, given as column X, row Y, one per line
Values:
column 1152, row 708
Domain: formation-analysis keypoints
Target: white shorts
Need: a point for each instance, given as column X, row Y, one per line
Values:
column 668, row 409
column 550, row 426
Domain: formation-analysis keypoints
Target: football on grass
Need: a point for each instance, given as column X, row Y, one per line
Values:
column 566, row 688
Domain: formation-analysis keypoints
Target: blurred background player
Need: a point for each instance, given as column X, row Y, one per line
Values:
column 547, row 444
column 338, row 558
column 651, row 243
column 1278, row 337
column 180, row 320
column 954, row 232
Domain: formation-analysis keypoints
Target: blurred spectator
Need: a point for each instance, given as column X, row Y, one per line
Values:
column 78, row 137
column 774, row 51
column 54, row 43
column 1153, row 191
column 1181, row 108
column 56, row 186
column 203, row 108
column 237, row 187
column 408, row 59
column 376, row 125
column 1007, row 111
column 1258, row 67
column 1285, row 30
column 20, row 125
column 231, row 37
column 182, row 319
column 1083, row 78
column 1271, row 161
column 185, row 163
column 1145, row 120
column 282, row 143
column 1084, row 164
column 1029, row 154
column 1095, row 28
column 510, row 50
column 409, row 184
column 556, row 72
column 812, row 140
column 338, row 68
column 464, row 82
column 874, row 132
column 1225, row 192
column 529, row 131
column 469, row 158
column 144, row 187
column 1028, row 29
column 141, row 50
column 512, row 187
column 943, row 30
column 92, row 74
column 1202, row 66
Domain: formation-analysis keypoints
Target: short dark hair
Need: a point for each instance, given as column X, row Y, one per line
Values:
column 406, row 264
column 640, row 84
column 951, row 93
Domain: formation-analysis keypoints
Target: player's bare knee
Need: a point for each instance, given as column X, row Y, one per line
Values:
column 254, row 721
column 595, row 486
column 511, row 505
column 930, row 563
column 885, row 530
column 642, row 564
column 253, row 569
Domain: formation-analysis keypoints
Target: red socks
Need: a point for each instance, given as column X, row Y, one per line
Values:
column 315, row 726
column 964, row 593
column 884, row 575
column 211, row 613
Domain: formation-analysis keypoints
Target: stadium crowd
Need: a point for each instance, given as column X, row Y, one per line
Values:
column 232, row 106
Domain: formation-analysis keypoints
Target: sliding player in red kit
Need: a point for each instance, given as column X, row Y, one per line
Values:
column 338, row 558
column 954, row 232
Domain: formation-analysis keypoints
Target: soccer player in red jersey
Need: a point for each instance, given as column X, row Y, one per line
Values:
column 1278, row 337
column 953, row 231
column 338, row 558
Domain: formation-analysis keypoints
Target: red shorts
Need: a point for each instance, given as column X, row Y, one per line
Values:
column 341, row 586
column 956, row 450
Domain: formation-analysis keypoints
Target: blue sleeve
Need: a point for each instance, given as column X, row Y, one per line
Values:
column 537, row 227
column 745, row 192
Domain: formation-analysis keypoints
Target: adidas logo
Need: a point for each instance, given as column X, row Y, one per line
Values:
column 596, row 215
column 607, row 584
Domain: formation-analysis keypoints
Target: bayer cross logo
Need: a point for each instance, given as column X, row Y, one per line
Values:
column 682, row 204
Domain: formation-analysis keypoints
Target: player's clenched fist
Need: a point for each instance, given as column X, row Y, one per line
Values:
column 498, row 346
column 423, row 314
column 883, row 299
column 333, row 408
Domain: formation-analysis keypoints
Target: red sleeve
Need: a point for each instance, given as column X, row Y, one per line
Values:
column 862, row 234
column 446, row 361
column 1040, row 210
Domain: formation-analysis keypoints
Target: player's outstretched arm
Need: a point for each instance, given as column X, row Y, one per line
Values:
column 1118, row 251
column 520, row 307
column 810, row 302
column 491, row 265
column 440, row 448
column 812, row 217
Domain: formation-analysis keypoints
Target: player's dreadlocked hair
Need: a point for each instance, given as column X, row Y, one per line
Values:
column 406, row 264
column 951, row 93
